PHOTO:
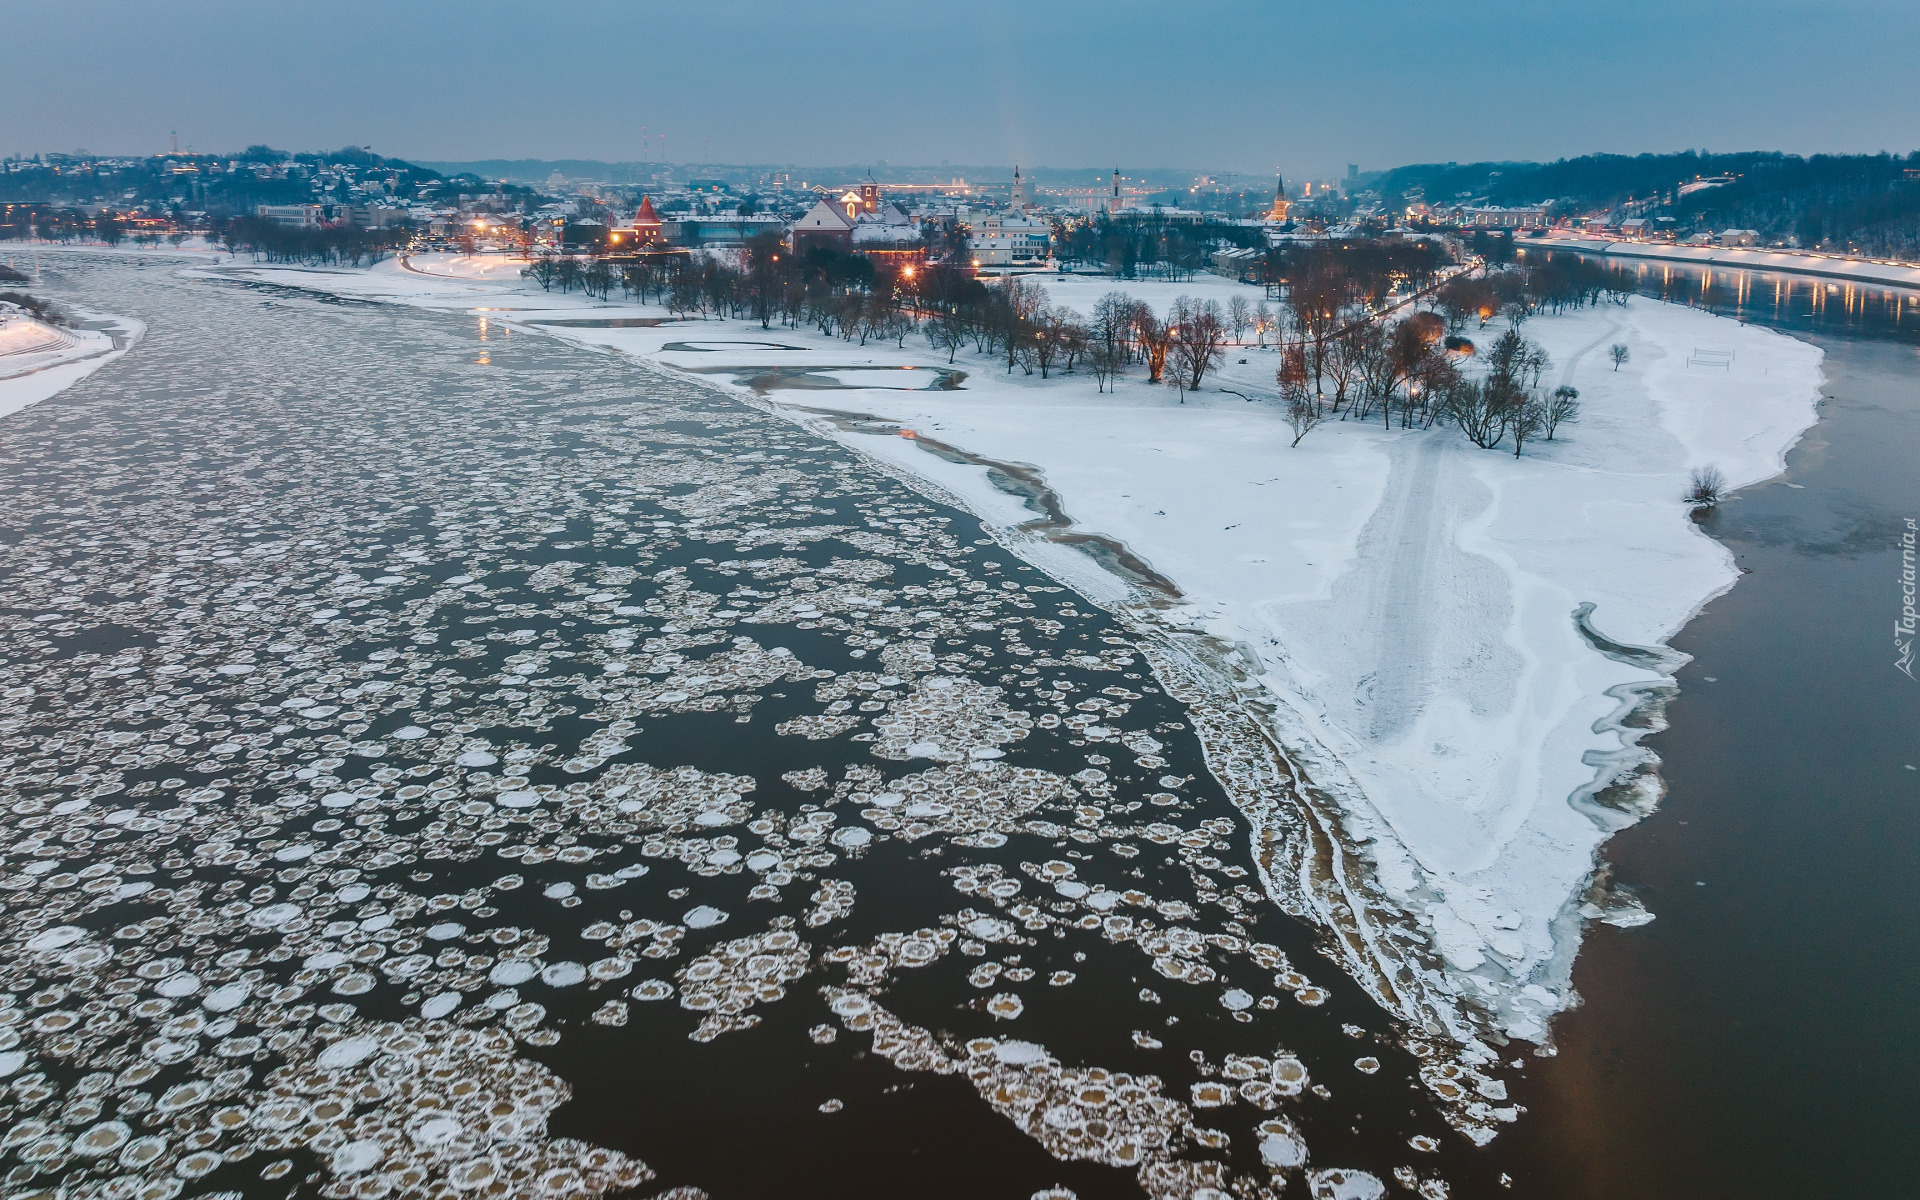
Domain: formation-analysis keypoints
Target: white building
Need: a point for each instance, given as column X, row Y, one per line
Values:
column 1532, row 216
column 293, row 216
column 1740, row 237
column 1007, row 241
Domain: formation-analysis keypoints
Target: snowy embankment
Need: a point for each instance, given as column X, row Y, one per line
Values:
column 37, row 360
column 1402, row 610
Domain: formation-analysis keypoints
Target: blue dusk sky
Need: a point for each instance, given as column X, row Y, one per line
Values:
column 1208, row 84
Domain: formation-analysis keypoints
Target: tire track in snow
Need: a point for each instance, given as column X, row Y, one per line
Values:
column 1401, row 605
column 1573, row 360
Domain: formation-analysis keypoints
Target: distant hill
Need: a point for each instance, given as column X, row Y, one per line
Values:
column 1868, row 201
column 536, row 170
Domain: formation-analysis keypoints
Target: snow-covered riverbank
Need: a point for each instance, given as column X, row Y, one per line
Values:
column 1736, row 258
column 1405, row 606
column 38, row 360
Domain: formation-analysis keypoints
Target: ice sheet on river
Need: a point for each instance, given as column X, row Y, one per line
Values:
column 403, row 728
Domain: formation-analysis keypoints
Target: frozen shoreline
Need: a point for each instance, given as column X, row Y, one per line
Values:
column 38, row 360
column 1404, row 609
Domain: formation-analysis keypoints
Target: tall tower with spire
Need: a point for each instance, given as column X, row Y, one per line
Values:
column 1280, row 205
column 1022, row 191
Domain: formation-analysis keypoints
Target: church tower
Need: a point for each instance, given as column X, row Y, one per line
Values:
column 1280, row 205
column 1022, row 192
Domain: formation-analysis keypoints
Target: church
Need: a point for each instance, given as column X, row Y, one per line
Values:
column 856, row 219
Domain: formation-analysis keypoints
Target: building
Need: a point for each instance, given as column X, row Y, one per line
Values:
column 888, row 235
column 691, row 232
column 293, row 216
column 1022, row 196
column 1280, row 204
column 861, row 198
column 824, row 225
column 1009, row 241
column 1239, row 262
column 376, row 216
column 647, row 226
column 1532, row 216
column 1158, row 215
column 1740, row 237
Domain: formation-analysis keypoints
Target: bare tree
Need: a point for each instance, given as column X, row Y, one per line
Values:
column 597, row 279
column 948, row 331
column 1706, row 487
column 1318, row 302
column 1239, row 316
column 1021, row 301
column 1619, row 353
column 1113, row 326
column 1529, row 418
column 1200, row 335
column 1052, row 335
column 1481, row 407
column 1562, row 405
column 1295, row 377
column 1376, row 367
column 1104, row 361
column 1152, row 336
column 1262, row 322
column 1302, row 416
column 542, row 269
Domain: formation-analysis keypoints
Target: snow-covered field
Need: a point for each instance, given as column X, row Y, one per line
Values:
column 1405, row 604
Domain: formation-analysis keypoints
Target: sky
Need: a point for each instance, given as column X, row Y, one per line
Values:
column 1216, row 85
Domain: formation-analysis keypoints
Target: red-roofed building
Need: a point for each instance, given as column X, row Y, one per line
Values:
column 646, row 223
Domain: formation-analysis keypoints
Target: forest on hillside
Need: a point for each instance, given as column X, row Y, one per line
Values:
column 1865, row 202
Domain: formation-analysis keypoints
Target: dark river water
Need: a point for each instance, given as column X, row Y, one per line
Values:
column 1761, row 1038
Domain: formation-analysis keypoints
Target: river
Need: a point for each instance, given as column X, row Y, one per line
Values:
column 446, row 762
column 1761, row 1038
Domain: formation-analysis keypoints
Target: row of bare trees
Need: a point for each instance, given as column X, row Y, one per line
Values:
column 1545, row 282
column 1017, row 323
column 352, row 245
column 1402, row 369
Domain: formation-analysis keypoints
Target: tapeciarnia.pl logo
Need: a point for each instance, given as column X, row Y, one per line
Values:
column 1903, row 628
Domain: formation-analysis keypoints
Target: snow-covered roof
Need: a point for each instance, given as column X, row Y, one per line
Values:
column 878, row 232
column 823, row 216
